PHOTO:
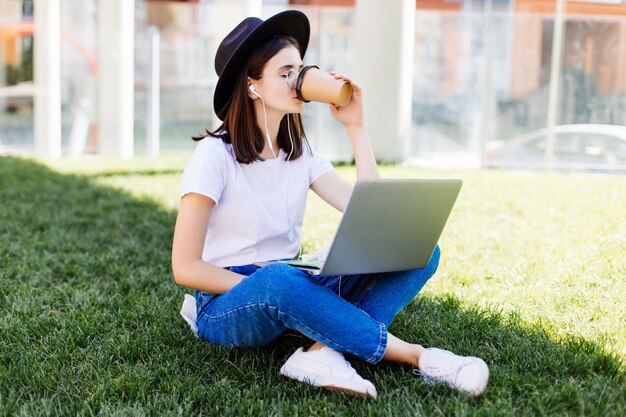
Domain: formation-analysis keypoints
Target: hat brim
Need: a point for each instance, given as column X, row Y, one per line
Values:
column 291, row 22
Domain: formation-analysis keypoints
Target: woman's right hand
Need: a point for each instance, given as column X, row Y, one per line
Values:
column 350, row 115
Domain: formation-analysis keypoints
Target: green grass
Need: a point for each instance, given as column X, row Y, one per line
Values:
column 532, row 279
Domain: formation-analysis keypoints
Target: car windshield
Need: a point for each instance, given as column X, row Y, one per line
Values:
column 583, row 145
column 564, row 143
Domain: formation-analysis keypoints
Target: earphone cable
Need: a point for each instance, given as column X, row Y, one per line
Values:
column 299, row 253
column 267, row 132
column 276, row 176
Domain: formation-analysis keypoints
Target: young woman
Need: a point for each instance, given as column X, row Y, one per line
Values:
column 242, row 201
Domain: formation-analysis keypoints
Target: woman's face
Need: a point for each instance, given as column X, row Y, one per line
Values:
column 277, row 84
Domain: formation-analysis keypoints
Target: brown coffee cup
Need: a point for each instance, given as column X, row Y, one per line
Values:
column 313, row 84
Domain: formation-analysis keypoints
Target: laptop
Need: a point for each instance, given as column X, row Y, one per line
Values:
column 389, row 225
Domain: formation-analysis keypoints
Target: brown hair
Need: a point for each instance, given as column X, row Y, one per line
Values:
column 239, row 127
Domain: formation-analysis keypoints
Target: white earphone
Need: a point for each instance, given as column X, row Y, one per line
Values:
column 267, row 133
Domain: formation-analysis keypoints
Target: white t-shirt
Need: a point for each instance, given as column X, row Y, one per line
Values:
column 250, row 221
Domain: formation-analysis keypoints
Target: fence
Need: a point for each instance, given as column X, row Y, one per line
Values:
column 481, row 82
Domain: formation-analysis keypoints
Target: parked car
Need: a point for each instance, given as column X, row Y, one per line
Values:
column 582, row 146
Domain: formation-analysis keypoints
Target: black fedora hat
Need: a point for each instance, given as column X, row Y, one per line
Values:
column 237, row 46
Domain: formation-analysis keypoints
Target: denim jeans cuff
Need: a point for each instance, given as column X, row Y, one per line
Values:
column 382, row 345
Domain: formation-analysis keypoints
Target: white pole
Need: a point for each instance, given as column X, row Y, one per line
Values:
column 384, row 62
column 555, row 81
column 116, row 19
column 487, row 96
column 80, row 127
column 254, row 8
column 153, row 90
column 47, row 78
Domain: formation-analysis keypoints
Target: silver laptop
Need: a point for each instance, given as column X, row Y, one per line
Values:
column 389, row 225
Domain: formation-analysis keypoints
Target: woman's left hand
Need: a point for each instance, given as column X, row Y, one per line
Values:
column 350, row 115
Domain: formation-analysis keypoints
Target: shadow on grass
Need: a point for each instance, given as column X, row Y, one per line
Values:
column 89, row 325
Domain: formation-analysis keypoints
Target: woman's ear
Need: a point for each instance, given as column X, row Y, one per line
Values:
column 252, row 92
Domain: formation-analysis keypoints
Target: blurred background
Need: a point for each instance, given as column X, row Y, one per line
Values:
column 488, row 88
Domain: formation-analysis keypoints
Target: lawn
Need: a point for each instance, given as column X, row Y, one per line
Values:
column 532, row 279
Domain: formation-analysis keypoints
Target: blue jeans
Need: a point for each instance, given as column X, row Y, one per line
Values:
column 349, row 313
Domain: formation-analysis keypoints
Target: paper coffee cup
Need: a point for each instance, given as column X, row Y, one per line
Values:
column 316, row 85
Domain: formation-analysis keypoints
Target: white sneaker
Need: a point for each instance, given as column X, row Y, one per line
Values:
column 188, row 311
column 468, row 374
column 327, row 368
